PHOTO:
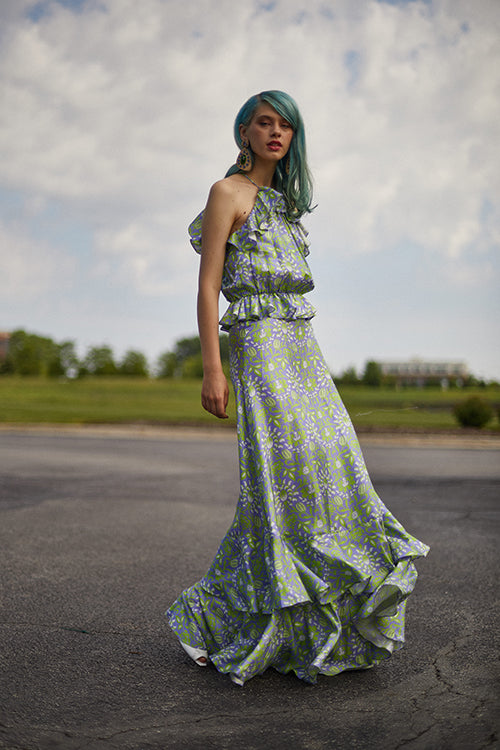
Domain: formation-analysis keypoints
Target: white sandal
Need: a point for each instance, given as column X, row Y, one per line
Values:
column 237, row 680
column 196, row 654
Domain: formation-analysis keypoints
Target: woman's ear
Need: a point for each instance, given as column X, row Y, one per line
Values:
column 243, row 132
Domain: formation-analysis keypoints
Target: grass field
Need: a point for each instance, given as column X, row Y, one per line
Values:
column 122, row 400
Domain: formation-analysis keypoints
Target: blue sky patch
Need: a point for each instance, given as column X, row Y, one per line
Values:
column 352, row 62
column 43, row 8
column 267, row 7
column 404, row 2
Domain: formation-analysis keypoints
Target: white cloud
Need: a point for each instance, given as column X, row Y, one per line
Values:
column 122, row 114
column 30, row 269
column 144, row 256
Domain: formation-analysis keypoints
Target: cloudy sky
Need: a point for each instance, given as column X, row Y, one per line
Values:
column 117, row 117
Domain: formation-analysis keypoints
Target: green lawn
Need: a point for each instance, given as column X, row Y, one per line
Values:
column 101, row 400
column 412, row 408
column 127, row 400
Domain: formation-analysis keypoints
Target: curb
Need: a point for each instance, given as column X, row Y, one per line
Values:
column 417, row 440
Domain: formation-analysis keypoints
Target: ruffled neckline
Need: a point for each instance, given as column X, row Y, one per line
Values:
column 268, row 202
column 274, row 202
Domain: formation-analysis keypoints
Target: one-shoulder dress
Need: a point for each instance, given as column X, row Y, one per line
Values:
column 314, row 572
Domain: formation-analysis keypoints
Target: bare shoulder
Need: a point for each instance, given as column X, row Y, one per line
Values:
column 229, row 187
column 222, row 201
column 234, row 196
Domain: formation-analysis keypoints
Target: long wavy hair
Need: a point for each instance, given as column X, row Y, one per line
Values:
column 296, row 185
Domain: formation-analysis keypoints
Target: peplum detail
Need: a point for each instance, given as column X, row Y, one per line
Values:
column 284, row 306
column 265, row 271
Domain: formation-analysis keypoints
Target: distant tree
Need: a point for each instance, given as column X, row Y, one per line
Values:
column 192, row 367
column 185, row 359
column 187, row 347
column 134, row 364
column 166, row 364
column 30, row 354
column 348, row 377
column 99, row 360
column 40, row 356
column 372, row 374
column 65, row 360
column 55, row 368
column 69, row 357
column 6, row 367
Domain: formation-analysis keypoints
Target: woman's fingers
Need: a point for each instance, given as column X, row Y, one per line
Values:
column 216, row 405
column 215, row 395
column 216, row 408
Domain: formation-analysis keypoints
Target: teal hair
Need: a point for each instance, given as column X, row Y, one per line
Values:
column 296, row 185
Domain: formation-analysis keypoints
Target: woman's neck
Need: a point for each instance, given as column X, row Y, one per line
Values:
column 262, row 174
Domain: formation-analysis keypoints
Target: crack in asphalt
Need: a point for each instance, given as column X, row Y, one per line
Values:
column 65, row 733
column 423, row 704
column 424, row 723
column 72, row 629
column 492, row 740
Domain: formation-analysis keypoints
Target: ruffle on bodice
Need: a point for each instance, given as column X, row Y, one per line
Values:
column 265, row 269
column 269, row 204
column 283, row 305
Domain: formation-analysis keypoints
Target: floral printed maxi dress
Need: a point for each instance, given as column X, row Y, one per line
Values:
column 314, row 572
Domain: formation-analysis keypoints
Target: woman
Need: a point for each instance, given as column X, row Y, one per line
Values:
column 314, row 572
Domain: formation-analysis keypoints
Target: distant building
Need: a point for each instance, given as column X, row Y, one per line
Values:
column 4, row 345
column 419, row 372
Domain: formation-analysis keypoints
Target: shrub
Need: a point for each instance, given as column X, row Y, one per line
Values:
column 473, row 412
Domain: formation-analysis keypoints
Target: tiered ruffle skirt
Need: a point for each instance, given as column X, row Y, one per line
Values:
column 314, row 572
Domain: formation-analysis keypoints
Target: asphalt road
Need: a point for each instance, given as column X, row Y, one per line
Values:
column 100, row 531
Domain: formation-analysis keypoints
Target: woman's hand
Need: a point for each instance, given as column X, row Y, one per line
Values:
column 215, row 394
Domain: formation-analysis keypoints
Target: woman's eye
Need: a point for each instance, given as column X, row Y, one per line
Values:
column 268, row 123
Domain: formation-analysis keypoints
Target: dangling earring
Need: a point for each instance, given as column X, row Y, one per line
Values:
column 244, row 159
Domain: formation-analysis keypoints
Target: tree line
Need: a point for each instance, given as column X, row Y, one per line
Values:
column 31, row 355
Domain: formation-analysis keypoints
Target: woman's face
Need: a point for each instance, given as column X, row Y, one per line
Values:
column 269, row 134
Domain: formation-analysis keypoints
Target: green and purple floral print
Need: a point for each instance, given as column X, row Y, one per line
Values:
column 313, row 574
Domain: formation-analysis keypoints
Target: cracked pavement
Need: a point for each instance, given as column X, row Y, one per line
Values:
column 100, row 530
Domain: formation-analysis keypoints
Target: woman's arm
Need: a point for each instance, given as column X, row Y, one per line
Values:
column 218, row 219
